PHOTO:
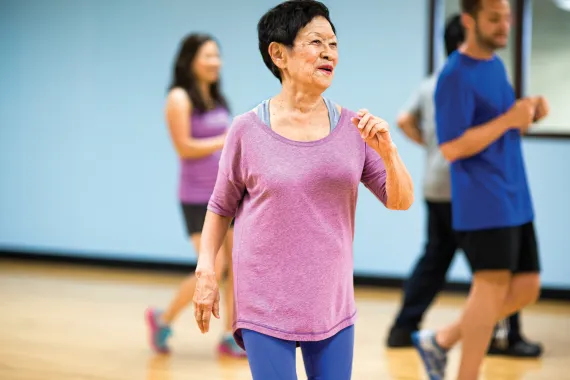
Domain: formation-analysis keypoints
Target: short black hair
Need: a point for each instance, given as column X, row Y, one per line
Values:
column 454, row 33
column 471, row 7
column 282, row 24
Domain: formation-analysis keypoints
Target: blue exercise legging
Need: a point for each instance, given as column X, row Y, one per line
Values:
column 272, row 358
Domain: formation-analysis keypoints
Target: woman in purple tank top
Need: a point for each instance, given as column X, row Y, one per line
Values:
column 198, row 118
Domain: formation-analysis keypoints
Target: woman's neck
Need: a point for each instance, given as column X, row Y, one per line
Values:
column 204, row 88
column 295, row 98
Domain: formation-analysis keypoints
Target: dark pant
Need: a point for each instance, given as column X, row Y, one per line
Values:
column 428, row 277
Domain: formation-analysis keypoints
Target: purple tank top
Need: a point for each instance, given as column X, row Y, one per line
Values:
column 198, row 176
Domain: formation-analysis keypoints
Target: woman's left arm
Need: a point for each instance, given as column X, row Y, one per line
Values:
column 386, row 176
column 399, row 184
column 384, row 172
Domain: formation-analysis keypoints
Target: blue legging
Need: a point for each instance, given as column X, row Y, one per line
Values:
column 272, row 358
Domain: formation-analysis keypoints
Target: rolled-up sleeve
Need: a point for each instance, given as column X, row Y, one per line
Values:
column 230, row 187
column 374, row 174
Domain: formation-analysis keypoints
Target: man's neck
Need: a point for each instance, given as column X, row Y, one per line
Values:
column 475, row 51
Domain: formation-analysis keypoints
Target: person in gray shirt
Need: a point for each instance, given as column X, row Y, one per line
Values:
column 428, row 276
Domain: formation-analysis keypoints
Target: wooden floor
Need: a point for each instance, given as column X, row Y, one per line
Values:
column 64, row 323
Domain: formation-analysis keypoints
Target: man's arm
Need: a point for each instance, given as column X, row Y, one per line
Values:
column 408, row 123
column 409, row 118
column 475, row 139
column 455, row 106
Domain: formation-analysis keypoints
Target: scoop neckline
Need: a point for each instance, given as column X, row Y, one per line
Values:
column 260, row 124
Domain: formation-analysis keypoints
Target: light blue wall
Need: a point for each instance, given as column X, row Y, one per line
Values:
column 86, row 165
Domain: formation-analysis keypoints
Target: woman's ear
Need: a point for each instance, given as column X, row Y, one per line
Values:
column 277, row 54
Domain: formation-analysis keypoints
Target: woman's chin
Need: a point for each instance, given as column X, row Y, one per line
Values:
column 211, row 79
column 322, row 83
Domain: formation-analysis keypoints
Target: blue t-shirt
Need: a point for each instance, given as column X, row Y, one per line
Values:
column 489, row 189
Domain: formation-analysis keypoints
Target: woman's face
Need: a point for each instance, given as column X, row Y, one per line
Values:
column 207, row 63
column 314, row 55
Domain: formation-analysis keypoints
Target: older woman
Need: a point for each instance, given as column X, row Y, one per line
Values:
column 289, row 174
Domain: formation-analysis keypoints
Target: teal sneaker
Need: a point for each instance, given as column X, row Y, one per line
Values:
column 158, row 333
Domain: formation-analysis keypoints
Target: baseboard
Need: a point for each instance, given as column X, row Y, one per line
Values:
column 102, row 262
column 546, row 293
column 359, row 280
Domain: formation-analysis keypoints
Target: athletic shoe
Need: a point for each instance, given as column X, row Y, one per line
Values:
column 399, row 337
column 433, row 356
column 158, row 332
column 517, row 348
column 229, row 347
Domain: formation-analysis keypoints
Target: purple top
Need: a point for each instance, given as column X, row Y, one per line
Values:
column 294, row 204
column 198, row 176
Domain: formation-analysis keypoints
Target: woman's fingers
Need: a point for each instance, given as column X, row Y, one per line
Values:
column 363, row 122
column 206, row 300
column 370, row 129
column 216, row 306
column 206, row 315
column 198, row 317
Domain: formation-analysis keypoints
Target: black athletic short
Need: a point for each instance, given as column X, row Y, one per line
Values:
column 511, row 248
column 194, row 216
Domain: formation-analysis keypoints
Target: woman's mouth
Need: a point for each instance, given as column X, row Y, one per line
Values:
column 326, row 69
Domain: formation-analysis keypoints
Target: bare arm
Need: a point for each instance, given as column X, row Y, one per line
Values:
column 455, row 106
column 408, row 123
column 475, row 139
column 399, row 184
column 384, row 172
column 213, row 235
column 206, row 295
column 386, row 176
column 178, row 110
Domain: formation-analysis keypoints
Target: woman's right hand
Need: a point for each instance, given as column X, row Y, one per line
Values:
column 206, row 299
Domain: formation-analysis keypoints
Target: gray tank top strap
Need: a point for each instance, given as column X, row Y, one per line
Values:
column 263, row 112
column 334, row 114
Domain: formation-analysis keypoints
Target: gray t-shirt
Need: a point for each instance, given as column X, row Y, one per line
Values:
column 437, row 184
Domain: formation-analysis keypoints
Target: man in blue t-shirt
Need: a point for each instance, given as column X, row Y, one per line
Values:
column 427, row 279
column 479, row 126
